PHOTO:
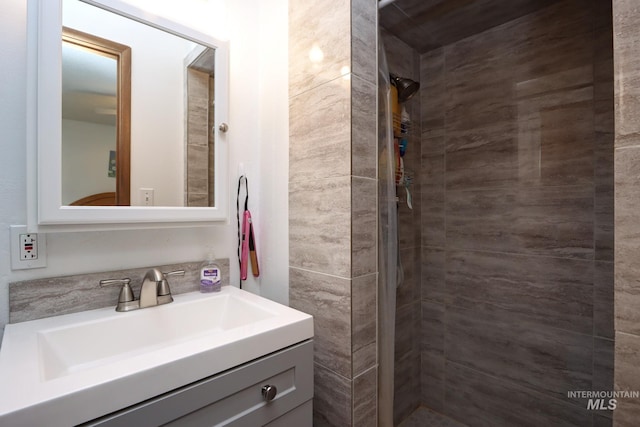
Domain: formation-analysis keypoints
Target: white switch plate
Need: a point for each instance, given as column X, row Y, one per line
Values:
column 28, row 250
column 146, row 196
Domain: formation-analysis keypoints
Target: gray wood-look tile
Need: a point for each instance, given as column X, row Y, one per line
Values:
column 320, row 132
column 552, row 221
column 320, row 225
column 198, row 199
column 197, row 168
column 603, row 299
column 626, row 22
column 523, row 113
column 556, row 38
column 627, row 216
column 603, row 75
column 363, row 128
column 556, row 221
column 604, row 197
column 332, row 398
column 364, row 231
column 433, row 218
column 363, row 322
column 549, row 291
column 433, row 140
column 198, row 107
column 604, row 119
column 487, row 401
column 408, row 292
column 432, row 328
column 562, row 133
column 364, row 39
column 408, row 220
column 547, row 144
column 627, row 360
column 432, row 89
column 322, row 30
column 431, row 24
column 505, row 345
column 38, row 298
column 433, row 274
column 365, row 400
column 401, row 58
column 483, row 157
column 602, row 421
column 422, row 417
column 405, row 332
column 328, row 300
column 603, row 361
column 432, row 166
column 432, row 381
column 407, row 386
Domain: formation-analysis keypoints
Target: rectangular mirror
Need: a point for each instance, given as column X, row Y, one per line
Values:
column 130, row 108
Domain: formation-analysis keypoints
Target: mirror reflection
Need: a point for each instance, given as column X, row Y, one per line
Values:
column 96, row 95
column 164, row 155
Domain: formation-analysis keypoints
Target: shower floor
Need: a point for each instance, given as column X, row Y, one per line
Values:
column 423, row 417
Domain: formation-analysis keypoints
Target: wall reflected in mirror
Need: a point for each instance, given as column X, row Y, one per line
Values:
column 96, row 105
column 170, row 105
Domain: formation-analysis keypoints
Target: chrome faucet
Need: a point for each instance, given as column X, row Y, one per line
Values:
column 154, row 290
column 149, row 289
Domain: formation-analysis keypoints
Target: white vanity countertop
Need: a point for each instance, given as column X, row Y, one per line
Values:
column 69, row 369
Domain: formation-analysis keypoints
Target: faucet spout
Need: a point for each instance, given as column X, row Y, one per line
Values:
column 149, row 289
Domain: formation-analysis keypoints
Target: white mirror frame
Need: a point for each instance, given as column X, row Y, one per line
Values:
column 44, row 131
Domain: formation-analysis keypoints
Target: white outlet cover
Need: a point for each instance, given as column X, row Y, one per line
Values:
column 19, row 264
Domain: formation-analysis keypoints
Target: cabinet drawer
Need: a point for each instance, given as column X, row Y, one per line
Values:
column 232, row 398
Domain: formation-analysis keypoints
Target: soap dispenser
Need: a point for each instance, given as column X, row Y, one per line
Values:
column 210, row 277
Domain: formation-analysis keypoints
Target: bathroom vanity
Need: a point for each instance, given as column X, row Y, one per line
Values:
column 275, row 390
column 228, row 358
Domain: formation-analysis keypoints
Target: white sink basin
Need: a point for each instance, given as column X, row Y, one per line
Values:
column 63, row 350
column 69, row 369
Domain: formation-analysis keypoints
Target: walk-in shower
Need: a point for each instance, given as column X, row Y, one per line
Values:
column 507, row 247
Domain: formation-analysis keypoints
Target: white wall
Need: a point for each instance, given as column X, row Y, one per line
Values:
column 258, row 142
column 85, row 162
column 273, row 223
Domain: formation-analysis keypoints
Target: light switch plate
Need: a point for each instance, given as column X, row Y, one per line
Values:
column 28, row 250
column 146, row 197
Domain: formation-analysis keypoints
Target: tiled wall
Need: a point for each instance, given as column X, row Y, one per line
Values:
column 55, row 296
column 198, row 161
column 517, row 220
column 403, row 61
column 332, row 200
column 626, row 25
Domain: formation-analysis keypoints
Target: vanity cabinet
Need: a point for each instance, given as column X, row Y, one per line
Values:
column 234, row 397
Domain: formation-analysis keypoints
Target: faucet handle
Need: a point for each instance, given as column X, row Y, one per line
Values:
column 174, row 273
column 126, row 293
column 163, row 288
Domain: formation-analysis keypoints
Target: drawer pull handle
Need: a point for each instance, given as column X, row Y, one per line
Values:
column 269, row 392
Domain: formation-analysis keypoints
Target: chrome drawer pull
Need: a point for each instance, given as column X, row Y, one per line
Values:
column 269, row 392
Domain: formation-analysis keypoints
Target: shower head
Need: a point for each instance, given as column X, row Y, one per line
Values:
column 406, row 87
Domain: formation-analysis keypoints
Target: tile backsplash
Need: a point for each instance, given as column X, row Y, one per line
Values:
column 35, row 299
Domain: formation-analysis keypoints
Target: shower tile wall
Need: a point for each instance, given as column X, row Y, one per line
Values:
column 626, row 24
column 333, row 199
column 405, row 62
column 517, row 220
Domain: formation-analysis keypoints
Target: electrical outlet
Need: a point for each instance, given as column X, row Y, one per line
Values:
column 146, row 197
column 28, row 246
column 28, row 250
